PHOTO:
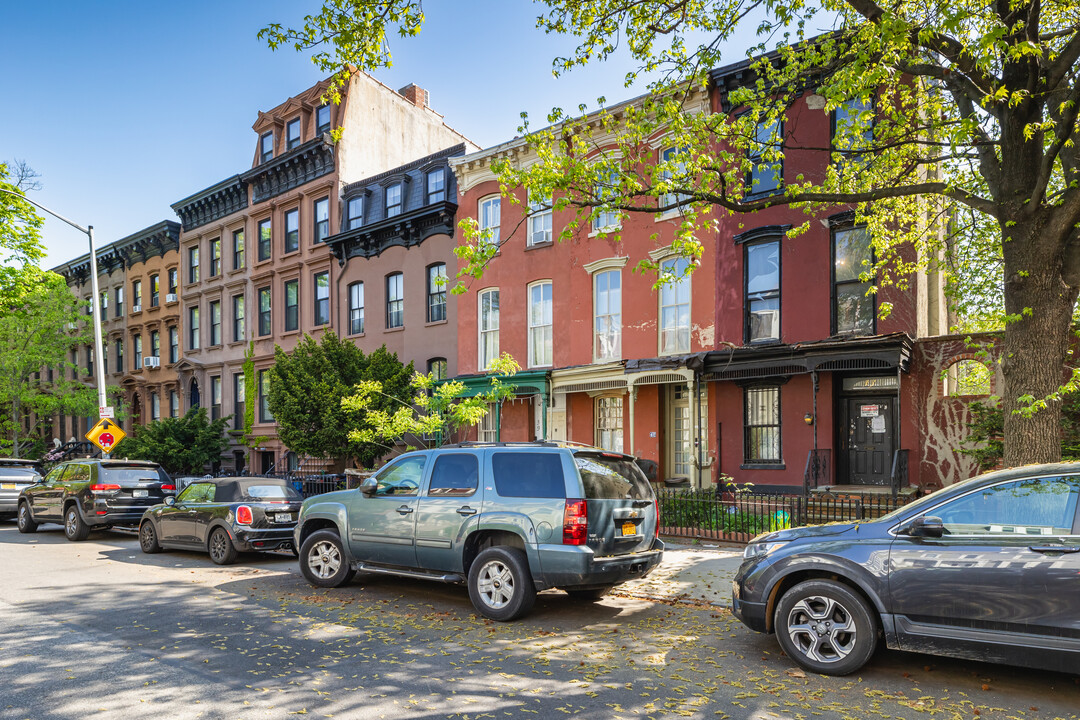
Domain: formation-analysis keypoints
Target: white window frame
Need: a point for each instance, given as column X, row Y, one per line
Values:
column 155, row 407
column 489, row 215
column 356, row 306
column 540, row 222
column 666, row 293
column 488, row 428
column 486, row 330
column 614, row 319
column 604, row 220
column 541, row 326
column 605, row 429
column 670, row 154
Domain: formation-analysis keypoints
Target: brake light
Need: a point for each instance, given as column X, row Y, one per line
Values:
column 243, row 515
column 98, row 487
column 575, row 529
column 168, row 488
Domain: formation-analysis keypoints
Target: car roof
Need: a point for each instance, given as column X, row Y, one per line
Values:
column 21, row 462
column 1022, row 471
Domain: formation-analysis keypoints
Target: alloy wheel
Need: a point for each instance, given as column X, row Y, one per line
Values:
column 496, row 584
column 821, row 629
column 324, row 559
column 218, row 547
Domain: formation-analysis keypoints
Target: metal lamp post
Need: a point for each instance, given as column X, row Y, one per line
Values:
column 99, row 357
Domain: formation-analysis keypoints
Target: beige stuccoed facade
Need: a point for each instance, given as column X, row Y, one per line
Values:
column 255, row 267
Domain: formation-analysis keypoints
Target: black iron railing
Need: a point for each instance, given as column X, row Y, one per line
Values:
column 818, row 470
column 899, row 474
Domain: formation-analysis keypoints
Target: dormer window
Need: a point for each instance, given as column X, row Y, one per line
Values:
column 393, row 200
column 355, row 212
column 292, row 134
column 436, row 186
column 322, row 119
column 266, row 147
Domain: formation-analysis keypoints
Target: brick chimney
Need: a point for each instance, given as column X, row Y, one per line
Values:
column 415, row 94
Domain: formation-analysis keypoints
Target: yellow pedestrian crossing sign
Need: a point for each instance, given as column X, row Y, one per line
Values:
column 106, row 435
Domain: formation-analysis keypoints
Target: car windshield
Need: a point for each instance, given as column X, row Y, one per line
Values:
column 271, row 492
column 612, row 477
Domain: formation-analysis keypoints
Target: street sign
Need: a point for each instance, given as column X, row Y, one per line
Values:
column 107, row 411
column 106, row 435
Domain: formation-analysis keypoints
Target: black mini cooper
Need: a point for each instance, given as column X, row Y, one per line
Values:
column 224, row 516
column 987, row 569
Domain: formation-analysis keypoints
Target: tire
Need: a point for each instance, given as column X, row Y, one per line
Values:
column 590, row 595
column 75, row 528
column 148, row 538
column 222, row 551
column 500, row 585
column 825, row 627
column 323, row 561
column 25, row 519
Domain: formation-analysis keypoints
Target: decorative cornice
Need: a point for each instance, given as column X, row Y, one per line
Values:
column 611, row 263
column 766, row 231
column 213, row 203
column 150, row 242
column 405, row 230
column 428, row 161
column 301, row 165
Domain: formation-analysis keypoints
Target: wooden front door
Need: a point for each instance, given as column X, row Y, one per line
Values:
column 867, row 440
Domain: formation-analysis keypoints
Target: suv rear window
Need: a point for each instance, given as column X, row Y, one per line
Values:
column 133, row 474
column 528, row 475
column 612, row 478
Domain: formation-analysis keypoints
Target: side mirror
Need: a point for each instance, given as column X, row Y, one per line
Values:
column 369, row 486
column 926, row 526
column 170, row 500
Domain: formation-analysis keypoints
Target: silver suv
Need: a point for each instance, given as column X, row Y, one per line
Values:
column 508, row 519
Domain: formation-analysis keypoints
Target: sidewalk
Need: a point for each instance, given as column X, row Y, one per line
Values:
column 698, row 573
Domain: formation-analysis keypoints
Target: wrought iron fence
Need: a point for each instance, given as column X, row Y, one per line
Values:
column 738, row 517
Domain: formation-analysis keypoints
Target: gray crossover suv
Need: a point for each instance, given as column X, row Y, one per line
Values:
column 507, row 519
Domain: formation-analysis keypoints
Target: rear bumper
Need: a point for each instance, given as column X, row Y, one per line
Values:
column 250, row 539
column 570, row 566
column 9, row 500
column 100, row 511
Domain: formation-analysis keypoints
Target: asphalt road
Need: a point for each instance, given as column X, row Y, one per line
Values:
column 99, row 630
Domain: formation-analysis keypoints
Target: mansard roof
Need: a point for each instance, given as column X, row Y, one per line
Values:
column 291, row 169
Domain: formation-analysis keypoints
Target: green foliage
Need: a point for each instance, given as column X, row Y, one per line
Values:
column 35, row 336
column 250, row 398
column 437, row 412
column 183, row 446
column 986, row 434
column 20, row 243
column 307, row 387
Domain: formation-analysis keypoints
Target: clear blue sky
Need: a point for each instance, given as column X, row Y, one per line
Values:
column 125, row 106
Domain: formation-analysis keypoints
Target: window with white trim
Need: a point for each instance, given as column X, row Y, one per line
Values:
column 539, row 221
column 488, row 307
column 395, row 300
column 606, row 219
column 436, row 186
column 540, row 335
column 491, row 217
column 356, row 308
column 675, row 307
column 607, row 313
column 393, row 200
column 674, row 161
column 609, row 423
column 488, row 429
column 763, row 291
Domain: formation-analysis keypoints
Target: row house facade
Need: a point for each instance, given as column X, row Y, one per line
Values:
column 257, row 266
column 140, row 313
column 769, row 363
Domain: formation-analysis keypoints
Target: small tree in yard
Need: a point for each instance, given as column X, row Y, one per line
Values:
column 307, row 387
column 183, row 446
column 437, row 412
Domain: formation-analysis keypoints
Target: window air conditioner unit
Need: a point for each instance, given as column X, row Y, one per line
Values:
column 765, row 324
column 151, row 362
column 136, row 308
column 171, row 297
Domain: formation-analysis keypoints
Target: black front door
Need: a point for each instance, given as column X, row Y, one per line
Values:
column 867, row 440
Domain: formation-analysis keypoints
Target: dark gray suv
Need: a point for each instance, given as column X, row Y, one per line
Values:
column 507, row 519
column 987, row 569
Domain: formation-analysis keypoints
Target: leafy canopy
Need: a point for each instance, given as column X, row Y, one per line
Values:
column 20, row 241
column 183, row 446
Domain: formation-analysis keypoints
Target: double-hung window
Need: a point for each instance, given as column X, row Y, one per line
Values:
column 174, row 345
column 215, row 397
column 322, row 119
column 607, row 305
column 395, row 301
column 853, row 308
column 761, row 423
column 136, row 342
column 852, row 133
column 766, row 155
column 238, row 249
column 675, row 307
column 264, row 311
column 193, row 265
column 193, row 328
column 322, row 298
column 215, row 257
column 292, row 230
column 540, row 340
column 322, row 219
column 136, row 296
column 674, row 170
column 292, row 134
column 239, row 391
column 609, row 423
column 239, row 330
column 763, row 291
column 436, row 293
column 607, row 186
column 354, row 211
column 215, row 322
column 155, row 290
column 488, row 305
column 539, row 220
column 119, row 310
column 104, row 294
column 119, row 347
column 155, row 406
column 264, row 239
column 292, row 305
column 173, row 282
column 436, row 186
column 393, row 200
column 436, row 368
column 356, row 308
column 174, row 404
column 266, row 147
column 155, row 343
column 490, row 218
column 264, row 396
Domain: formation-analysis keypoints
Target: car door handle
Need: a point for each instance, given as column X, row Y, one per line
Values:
column 1054, row 548
column 404, row 510
column 466, row 510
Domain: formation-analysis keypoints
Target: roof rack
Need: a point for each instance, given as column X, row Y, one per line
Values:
column 485, row 443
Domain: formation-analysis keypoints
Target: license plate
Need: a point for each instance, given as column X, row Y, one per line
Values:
column 138, row 493
column 8, row 486
column 629, row 528
column 282, row 517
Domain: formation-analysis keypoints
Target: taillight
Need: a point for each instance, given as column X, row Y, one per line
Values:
column 98, row 487
column 168, row 488
column 243, row 515
column 575, row 529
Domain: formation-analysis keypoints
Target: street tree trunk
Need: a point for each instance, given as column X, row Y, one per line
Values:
column 1040, row 305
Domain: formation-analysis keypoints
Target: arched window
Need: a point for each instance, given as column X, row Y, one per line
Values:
column 965, row 378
